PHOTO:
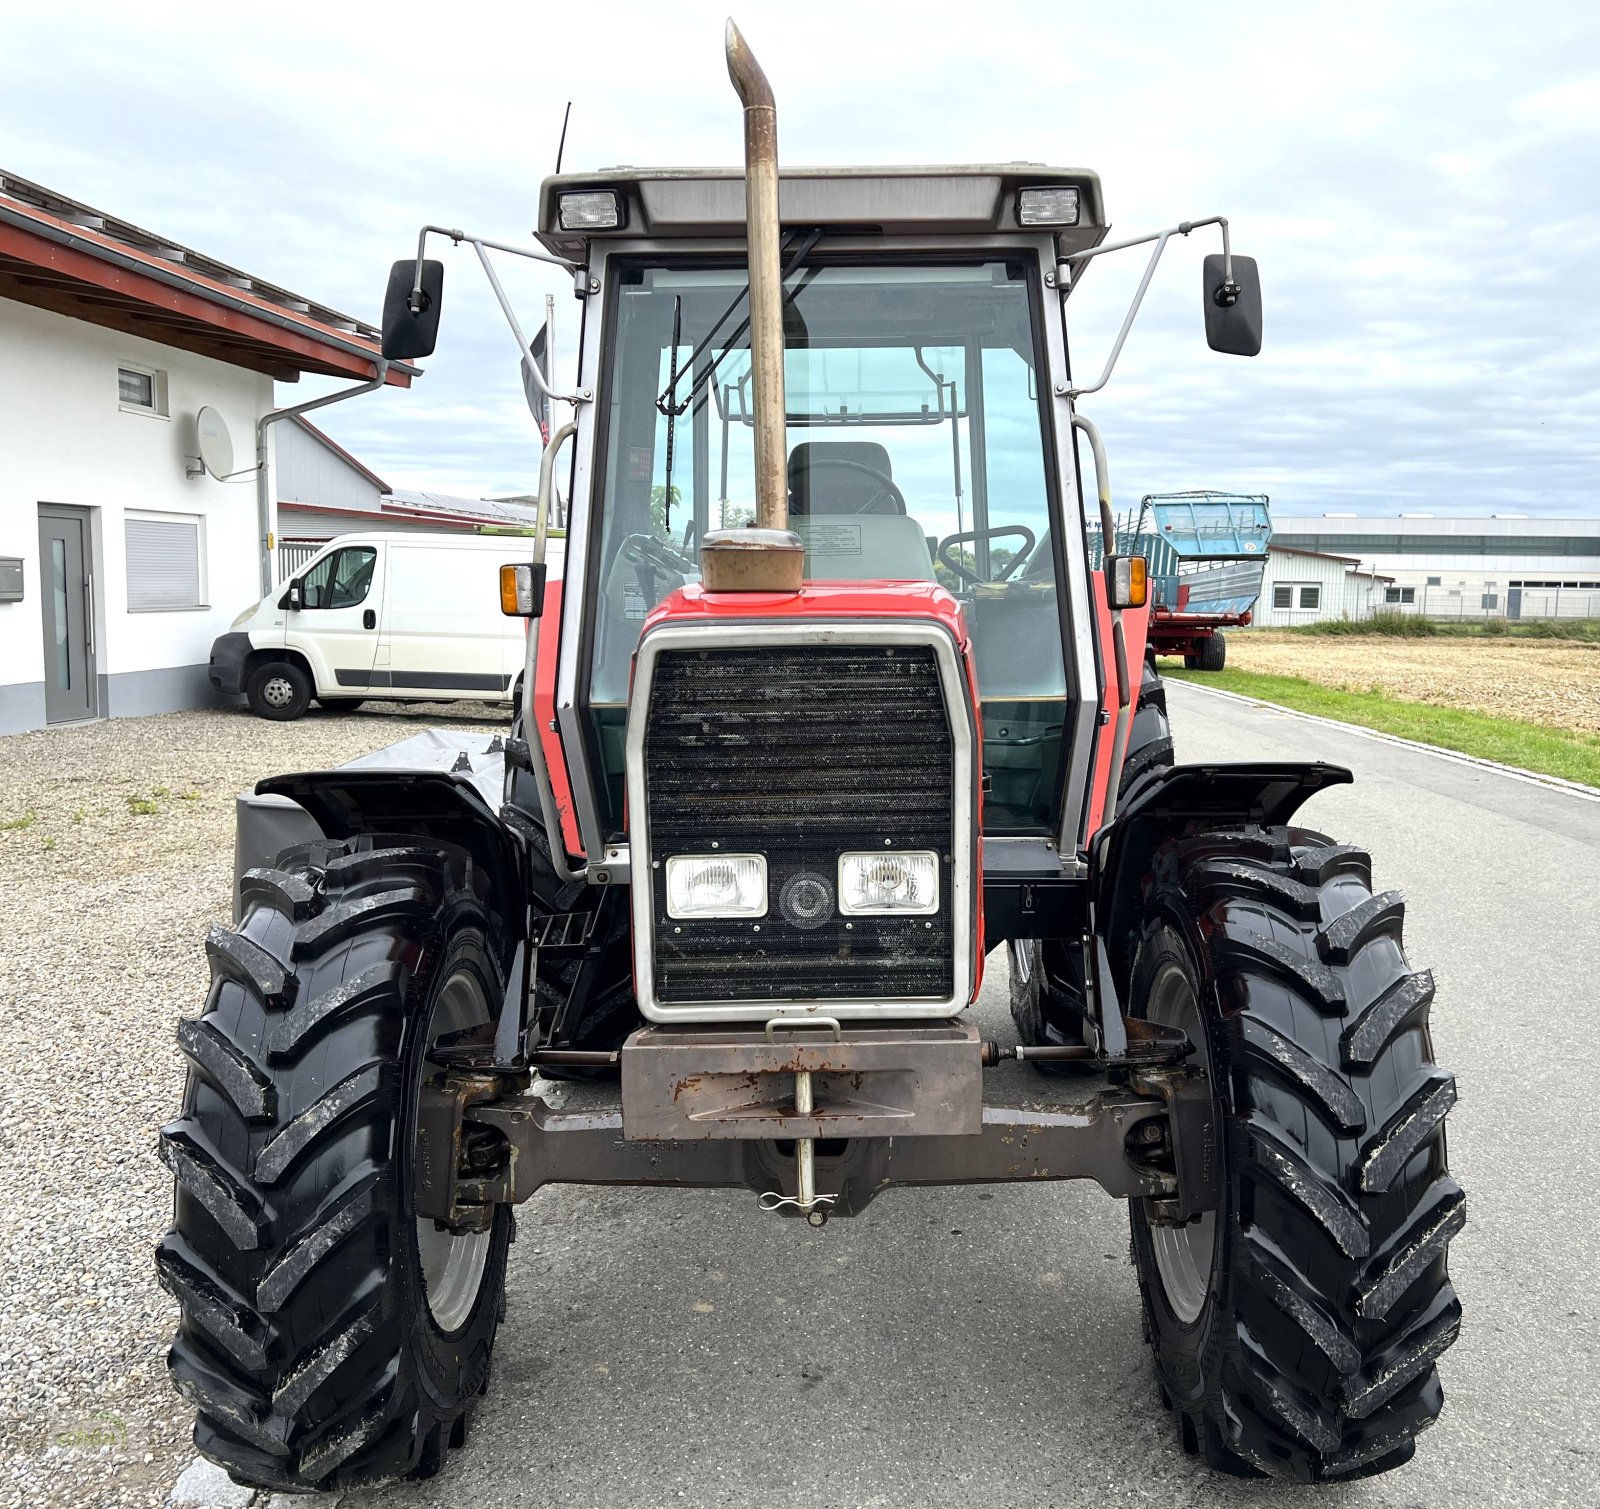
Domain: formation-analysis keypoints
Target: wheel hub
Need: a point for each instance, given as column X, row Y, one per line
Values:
column 452, row 1263
column 1184, row 1255
column 277, row 692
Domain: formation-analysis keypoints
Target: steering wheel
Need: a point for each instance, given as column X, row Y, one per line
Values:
column 964, row 572
column 886, row 484
column 657, row 555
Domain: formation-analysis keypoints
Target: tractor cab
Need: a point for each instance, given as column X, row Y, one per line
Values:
column 923, row 438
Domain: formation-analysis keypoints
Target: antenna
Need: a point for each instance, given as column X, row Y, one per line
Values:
column 561, row 146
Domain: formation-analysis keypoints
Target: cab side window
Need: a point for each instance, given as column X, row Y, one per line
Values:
column 341, row 579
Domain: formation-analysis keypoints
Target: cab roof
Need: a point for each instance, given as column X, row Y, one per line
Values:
column 962, row 199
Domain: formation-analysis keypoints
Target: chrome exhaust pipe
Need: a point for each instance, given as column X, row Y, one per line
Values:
column 766, row 278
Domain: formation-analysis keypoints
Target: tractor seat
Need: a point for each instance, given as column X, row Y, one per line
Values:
column 841, row 489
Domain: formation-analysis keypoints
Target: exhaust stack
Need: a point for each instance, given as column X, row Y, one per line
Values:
column 769, row 557
column 766, row 293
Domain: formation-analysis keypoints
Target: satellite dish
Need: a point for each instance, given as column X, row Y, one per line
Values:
column 214, row 441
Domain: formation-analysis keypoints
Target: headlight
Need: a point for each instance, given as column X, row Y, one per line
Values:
column 1052, row 206
column 245, row 617
column 595, row 210
column 717, row 885
column 883, row 882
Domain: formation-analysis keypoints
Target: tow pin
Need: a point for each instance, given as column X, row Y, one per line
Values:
column 805, row 1198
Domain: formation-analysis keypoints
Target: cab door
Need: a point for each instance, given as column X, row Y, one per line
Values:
column 336, row 624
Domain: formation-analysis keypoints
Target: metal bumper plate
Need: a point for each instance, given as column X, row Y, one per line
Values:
column 681, row 1084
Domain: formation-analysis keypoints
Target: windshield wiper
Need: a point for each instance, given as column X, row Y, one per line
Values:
column 666, row 402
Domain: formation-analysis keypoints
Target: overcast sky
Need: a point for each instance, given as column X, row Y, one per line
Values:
column 1420, row 184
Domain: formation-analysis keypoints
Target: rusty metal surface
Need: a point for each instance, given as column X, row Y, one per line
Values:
column 1032, row 1131
column 766, row 286
column 685, row 1084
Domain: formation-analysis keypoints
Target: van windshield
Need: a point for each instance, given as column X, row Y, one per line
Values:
column 916, row 451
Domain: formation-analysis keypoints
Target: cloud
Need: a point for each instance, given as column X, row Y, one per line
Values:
column 1416, row 182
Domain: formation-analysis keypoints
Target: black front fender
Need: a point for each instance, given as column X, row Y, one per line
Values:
column 1184, row 798
column 425, row 804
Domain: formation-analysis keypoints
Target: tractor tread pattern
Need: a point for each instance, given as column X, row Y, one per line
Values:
column 230, row 1070
column 289, row 1344
column 246, row 962
column 289, row 1032
column 1324, row 1366
column 1378, row 916
column 1299, row 900
column 347, row 918
column 291, row 894
column 1387, row 1154
column 1406, row 999
column 1325, row 862
column 1333, row 1096
column 1315, row 980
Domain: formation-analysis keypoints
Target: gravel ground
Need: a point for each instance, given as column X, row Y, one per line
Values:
column 116, row 854
column 1540, row 681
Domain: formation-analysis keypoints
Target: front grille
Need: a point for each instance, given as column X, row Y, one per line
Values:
column 799, row 754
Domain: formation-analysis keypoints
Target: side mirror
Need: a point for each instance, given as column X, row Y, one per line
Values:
column 409, row 332
column 292, row 598
column 1233, row 310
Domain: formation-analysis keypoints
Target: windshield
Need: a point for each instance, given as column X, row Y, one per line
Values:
column 916, row 451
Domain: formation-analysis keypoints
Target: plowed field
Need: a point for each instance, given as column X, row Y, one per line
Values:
column 1553, row 684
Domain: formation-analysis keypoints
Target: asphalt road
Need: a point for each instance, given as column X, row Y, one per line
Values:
column 982, row 1347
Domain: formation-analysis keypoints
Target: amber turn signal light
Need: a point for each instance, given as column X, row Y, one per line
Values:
column 522, row 590
column 1128, row 580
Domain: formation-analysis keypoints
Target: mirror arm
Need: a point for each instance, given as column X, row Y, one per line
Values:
column 482, row 245
column 1068, row 267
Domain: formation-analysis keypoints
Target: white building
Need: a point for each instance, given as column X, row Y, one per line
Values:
column 1303, row 586
column 1465, row 568
column 120, row 559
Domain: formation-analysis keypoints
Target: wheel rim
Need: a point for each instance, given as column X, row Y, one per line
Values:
column 452, row 1263
column 277, row 692
column 1184, row 1255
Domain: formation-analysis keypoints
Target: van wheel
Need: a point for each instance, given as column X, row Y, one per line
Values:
column 279, row 690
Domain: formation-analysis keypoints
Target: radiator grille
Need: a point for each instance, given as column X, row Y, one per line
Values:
column 799, row 754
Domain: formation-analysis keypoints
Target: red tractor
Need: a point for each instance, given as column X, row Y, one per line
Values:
column 832, row 706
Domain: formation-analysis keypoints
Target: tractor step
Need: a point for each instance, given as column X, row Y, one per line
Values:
column 563, row 932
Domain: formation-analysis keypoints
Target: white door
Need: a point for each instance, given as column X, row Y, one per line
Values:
column 336, row 624
column 443, row 632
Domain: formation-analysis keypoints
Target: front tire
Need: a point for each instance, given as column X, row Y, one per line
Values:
column 326, row 1338
column 279, row 690
column 1296, row 1328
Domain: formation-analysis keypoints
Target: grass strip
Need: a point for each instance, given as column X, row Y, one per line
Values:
column 1414, row 626
column 1566, row 753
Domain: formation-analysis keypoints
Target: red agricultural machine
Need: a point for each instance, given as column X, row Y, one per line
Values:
column 831, row 706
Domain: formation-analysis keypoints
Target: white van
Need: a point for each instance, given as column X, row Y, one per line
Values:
column 397, row 617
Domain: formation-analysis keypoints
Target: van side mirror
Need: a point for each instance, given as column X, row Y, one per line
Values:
column 292, row 598
column 411, row 315
column 1233, row 308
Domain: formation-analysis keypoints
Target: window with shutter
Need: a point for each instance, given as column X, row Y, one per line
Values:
column 165, row 562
